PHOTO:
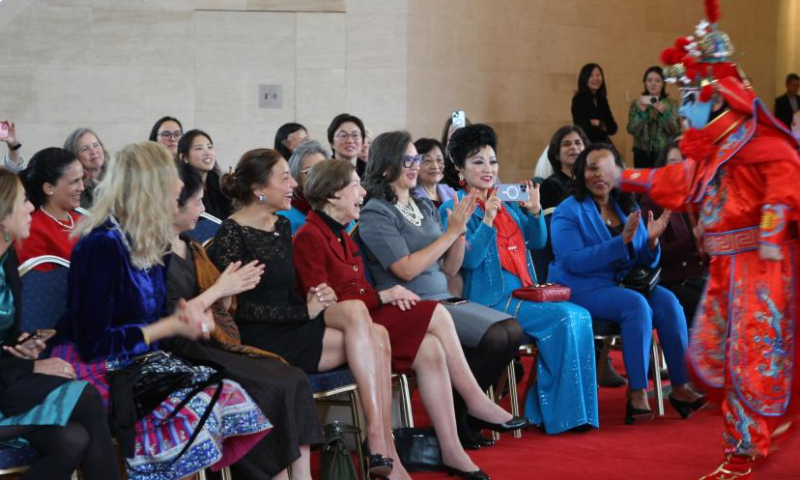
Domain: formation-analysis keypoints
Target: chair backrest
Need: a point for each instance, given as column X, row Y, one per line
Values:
column 543, row 256
column 206, row 228
column 44, row 293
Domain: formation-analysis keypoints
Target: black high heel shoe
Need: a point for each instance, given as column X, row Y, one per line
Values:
column 632, row 414
column 378, row 465
column 513, row 424
column 476, row 475
column 685, row 409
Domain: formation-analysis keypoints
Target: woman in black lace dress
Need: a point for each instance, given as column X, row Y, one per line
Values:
column 315, row 333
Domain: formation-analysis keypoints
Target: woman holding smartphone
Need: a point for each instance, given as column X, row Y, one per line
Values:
column 497, row 262
column 40, row 401
column 652, row 119
column 406, row 245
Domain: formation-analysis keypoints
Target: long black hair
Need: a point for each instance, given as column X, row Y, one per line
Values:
column 583, row 79
column 282, row 134
column 46, row 166
column 192, row 182
column 626, row 201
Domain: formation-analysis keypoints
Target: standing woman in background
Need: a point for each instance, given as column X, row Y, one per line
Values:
column 197, row 149
column 590, row 109
column 652, row 120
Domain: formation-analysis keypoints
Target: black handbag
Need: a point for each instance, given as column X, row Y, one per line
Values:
column 335, row 460
column 418, row 449
column 642, row 279
column 138, row 388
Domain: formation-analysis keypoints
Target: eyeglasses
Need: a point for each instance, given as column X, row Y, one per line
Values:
column 344, row 136
column 411, row 160
column 177, row 134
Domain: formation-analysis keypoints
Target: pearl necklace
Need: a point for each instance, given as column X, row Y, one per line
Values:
column 410, row 212
column 69, row 226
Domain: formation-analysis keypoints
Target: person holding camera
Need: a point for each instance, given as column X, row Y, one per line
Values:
column 652, row 120
column 497, row 261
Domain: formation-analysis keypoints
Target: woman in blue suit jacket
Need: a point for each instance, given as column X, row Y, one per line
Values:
column 598, row 237
column 497, row 261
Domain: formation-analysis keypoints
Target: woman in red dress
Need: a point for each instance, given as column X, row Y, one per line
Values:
column 422, row 334
column 54, row 184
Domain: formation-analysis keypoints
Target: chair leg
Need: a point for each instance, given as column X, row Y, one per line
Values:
column 362, row 458
column 406, row 416
column 512, row 392
column 201, row 475
column 225, row 473
column 602, row 360
column 657, row 387
column 490, row 394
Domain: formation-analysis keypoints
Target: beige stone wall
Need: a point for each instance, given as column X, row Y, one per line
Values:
column 514, row 63
column 117, row 66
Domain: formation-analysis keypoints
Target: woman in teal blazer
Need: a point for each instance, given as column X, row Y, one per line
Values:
column 598, row 237
column 497, row 261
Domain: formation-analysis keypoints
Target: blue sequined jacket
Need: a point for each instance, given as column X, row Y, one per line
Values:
column 483, row 275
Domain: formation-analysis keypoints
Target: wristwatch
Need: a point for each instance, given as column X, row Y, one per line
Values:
column 15, row 147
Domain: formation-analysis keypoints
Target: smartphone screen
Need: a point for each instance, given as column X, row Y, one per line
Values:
column 513, row 192
column 454, row 301
column 459, row 119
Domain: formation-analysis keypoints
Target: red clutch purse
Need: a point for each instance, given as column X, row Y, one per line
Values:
column 543, row 292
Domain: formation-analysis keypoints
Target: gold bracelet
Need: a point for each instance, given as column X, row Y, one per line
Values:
column 146, row 337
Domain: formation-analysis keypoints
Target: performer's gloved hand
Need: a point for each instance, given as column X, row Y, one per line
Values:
column 770, row 252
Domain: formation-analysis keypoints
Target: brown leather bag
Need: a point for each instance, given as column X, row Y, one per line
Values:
column 543, row 292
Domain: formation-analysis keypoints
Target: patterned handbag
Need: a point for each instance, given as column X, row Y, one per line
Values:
column 543, row 292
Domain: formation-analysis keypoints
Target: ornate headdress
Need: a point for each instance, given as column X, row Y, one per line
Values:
column 701, row 59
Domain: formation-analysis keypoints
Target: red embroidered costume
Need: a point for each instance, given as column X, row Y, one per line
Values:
column 741, row 178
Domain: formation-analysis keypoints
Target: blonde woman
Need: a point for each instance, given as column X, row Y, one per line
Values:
column 116, row 292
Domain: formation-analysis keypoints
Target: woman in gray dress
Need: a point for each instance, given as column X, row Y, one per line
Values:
column 406, row 245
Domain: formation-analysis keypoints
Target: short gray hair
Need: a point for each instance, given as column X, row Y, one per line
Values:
column 305, row 149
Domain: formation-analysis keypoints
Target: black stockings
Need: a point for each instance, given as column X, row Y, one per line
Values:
column 497, row 348
column 84, row 441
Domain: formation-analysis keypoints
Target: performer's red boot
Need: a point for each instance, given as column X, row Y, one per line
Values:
column 734, row 468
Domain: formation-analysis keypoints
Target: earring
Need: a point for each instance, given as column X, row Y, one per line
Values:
column 262, row 198
column 5, row 236
column 461, row 180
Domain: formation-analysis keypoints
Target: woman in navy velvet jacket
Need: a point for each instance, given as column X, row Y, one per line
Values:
column 598, row 237
column 497, row 261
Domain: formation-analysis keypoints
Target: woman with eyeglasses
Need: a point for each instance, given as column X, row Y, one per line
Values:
column 304, row 157
column 406, row 245
column 167, row 131
column 346, row 135
column 197, row 149
column 87, row 147
column 431, row 172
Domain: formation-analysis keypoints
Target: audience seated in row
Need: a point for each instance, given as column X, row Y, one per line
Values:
column 116, row 293
column 405, row 245
column 40, row 400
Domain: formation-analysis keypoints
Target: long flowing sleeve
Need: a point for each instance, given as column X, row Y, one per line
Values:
column 100, row 285
column 667, row 186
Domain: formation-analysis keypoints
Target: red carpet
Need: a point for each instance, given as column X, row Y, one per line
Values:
column 667, row 448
